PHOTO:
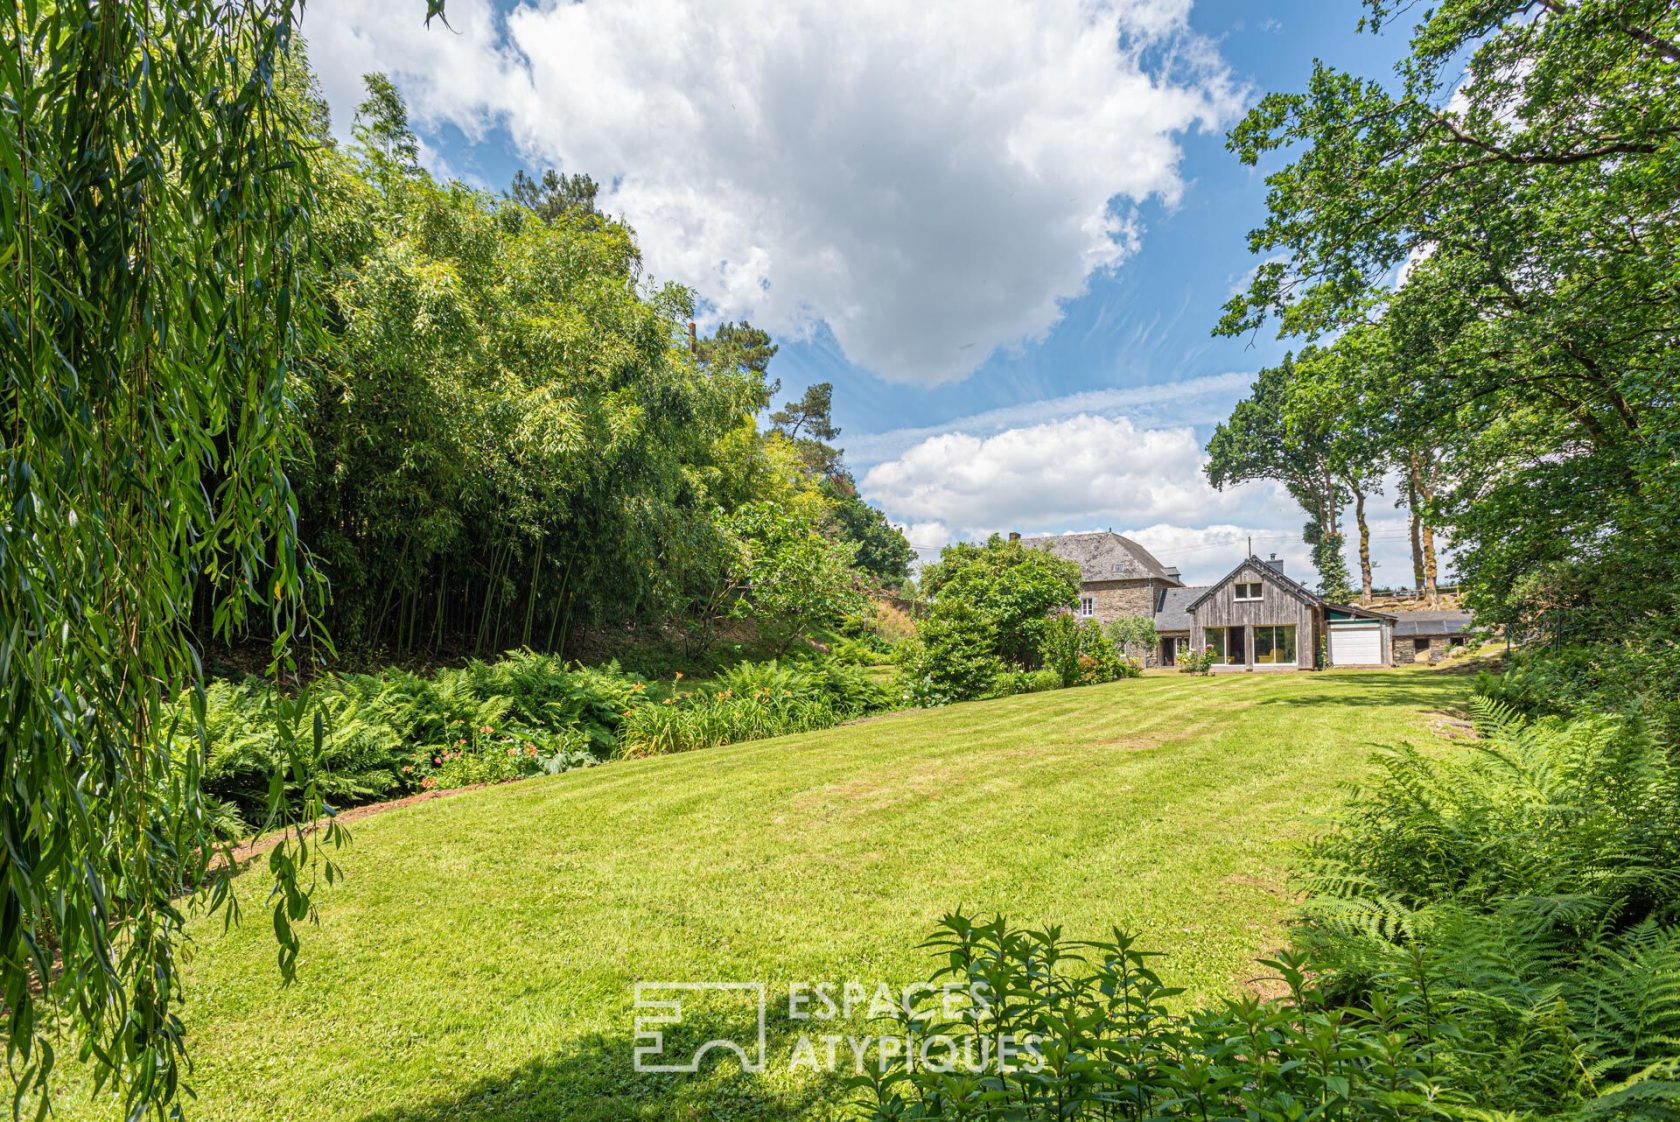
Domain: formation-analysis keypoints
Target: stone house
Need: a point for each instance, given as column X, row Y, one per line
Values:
column 1256, row 618
column 1118, row 577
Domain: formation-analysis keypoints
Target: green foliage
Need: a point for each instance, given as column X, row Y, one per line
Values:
column 1012, row 682
column 1199, row 662
column 157, row 191
column 1098, row 1039
column 952, row 658
column 1136, row 636
column 1081, row 655
column 1012, row 588
column 883, row 552
column 1532, row 887
column 1640, row 681
column 1520, row 166
column 390, row 734
column 751, row 701
column 793, row 580
column 1268, row 436
column 511, row 437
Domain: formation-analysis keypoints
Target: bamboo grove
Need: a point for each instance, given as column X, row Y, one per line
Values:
column 513, row 433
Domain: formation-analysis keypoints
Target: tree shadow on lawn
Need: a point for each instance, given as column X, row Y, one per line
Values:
column 1446, row 695
column 593, row 1079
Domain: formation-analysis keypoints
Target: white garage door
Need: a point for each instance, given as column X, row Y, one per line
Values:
column 1356, row 644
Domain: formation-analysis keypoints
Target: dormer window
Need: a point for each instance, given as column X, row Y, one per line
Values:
column 1248, row 591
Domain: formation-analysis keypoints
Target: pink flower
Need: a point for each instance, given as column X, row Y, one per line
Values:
column 428, row 782
column 407, row 768
column 486, row 730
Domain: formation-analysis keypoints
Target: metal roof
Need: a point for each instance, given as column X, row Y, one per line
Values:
column 1421, row 624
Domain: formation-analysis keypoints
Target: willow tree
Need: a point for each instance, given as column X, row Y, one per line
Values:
column 155, row 196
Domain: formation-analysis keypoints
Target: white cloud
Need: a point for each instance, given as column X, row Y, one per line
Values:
column 931, row 180
column 1087, row 472
column 1048, row 475
column 1203, row 400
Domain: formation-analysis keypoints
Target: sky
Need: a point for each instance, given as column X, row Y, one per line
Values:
column 1003, row 231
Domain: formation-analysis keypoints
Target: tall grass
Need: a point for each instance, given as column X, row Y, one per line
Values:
column 751, row 701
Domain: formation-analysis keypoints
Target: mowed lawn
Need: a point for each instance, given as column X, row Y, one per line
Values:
column 479, row 960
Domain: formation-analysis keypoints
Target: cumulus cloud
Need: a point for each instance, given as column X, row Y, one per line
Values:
column 1061, row 472
column 932, row 181
column 1092, row 473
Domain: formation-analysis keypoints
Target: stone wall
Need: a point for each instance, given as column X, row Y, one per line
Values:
column 1112, row 599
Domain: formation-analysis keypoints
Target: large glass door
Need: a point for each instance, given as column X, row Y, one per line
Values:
column 1236, row 646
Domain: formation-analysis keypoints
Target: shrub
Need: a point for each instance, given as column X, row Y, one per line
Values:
column 1012, row 682
column 1197, row 662
column 1080, row 654
column 1642, row 682
column 490, row 756
column 387, row 734
column 1098, row 1040
column 951, row 659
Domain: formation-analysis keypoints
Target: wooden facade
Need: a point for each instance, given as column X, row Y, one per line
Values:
column 1282, row 603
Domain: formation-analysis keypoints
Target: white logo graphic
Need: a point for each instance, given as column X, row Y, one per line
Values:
column 668, row 1010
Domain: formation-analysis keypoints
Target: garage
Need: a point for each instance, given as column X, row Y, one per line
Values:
column 1356, row 642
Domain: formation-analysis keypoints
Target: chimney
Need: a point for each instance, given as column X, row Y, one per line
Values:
column 1273, row 563
column 1014, row 535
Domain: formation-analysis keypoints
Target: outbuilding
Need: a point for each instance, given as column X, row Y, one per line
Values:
column 1259, row 618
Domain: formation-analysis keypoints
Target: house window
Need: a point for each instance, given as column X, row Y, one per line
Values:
column 1215, row 637
column 1087, row 606
column 1274, row 645
column 1420, row 644
column 1248, row 591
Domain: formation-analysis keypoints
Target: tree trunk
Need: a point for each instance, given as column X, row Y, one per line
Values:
column 1417, row 539
column 1364, row 545
column 1425, row 495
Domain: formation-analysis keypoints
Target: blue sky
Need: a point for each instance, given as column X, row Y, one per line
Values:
column 1002, row 231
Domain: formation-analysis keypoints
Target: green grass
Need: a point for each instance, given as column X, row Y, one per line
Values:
column 479, row 961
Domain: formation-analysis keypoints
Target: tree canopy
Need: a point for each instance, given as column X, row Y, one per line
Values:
column 1487, row 245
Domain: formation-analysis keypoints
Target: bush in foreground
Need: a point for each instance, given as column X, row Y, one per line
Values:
column 1094, row 1038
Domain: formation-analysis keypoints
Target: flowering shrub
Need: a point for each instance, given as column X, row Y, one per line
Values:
column 488, row 755
column 1197, row 662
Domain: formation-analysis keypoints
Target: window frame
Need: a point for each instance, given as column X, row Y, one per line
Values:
column 1258, row 587
column 1087, row 607
column 1272, row 630
column 1222, row 647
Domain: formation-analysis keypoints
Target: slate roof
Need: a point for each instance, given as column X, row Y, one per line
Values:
column 1104, row 555
column 1420, row 624
column 1174, row 612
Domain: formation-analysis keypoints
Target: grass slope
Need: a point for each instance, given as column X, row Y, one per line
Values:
column 480, row 959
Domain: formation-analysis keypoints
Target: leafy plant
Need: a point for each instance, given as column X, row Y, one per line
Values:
column 1080, row 654
column 1090, row 1034
column 1531, row 886
column 1198, row 662
column 952, row 658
